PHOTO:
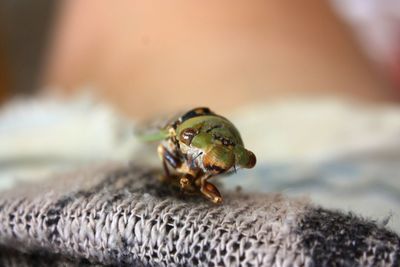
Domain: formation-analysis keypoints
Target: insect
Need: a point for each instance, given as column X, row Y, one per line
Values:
column 198, row 146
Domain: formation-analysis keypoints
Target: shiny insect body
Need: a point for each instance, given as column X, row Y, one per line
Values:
column 199, row 145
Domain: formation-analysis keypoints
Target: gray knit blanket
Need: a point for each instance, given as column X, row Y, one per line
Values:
column 122, row 215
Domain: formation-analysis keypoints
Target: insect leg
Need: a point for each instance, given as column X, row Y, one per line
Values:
column 168, row 157
column 209, row 190
column 187, row 182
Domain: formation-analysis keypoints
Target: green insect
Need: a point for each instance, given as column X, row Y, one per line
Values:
column 199, row 145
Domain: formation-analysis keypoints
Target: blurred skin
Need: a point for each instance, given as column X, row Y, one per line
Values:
column 150, row 57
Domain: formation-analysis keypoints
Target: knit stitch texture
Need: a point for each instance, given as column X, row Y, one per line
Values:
column 122, row 215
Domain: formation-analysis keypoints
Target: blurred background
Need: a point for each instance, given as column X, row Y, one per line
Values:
column 314, row 87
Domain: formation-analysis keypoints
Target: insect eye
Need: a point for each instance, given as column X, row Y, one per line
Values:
column 187, row 135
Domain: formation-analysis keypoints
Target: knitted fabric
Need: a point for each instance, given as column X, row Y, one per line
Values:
column 122, row 215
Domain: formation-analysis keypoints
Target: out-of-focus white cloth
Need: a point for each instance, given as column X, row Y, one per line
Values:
column 42, row 135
